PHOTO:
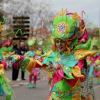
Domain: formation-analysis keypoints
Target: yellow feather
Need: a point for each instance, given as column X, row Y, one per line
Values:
column 0, row 27
column 61, row 13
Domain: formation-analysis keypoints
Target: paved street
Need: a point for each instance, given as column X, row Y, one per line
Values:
column 22, row 92
column 41, row 92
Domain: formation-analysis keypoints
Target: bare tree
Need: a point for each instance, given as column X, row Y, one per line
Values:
column 37, row 11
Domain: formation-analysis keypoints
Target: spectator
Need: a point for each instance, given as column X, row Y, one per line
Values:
column 22, row 51
column 15, row 49
column 15, row 67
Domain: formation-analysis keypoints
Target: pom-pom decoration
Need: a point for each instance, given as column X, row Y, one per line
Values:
column 63, row 27
column 31, row 41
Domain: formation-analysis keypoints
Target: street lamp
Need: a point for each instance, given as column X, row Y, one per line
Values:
column 42, row 23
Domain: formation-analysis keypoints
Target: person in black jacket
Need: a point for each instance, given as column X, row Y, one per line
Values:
column 22, row 51
column 15, row 67
column 15, row 49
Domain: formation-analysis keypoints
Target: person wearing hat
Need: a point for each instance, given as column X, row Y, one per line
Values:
column 71, row 47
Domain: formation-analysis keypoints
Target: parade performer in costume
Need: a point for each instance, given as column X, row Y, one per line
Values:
column 5, row 89
column 70, row 48
column 33, row 53
column 94, row 61
column 5, row 48
column 66, row 61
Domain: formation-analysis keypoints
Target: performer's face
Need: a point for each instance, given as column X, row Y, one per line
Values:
column 22, row 45
column 61, row 45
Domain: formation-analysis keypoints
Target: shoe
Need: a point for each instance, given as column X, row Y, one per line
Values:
column 30, row 85
column 13, row 79
column 33, row 85
column 98, row 82
column 18, row 80
column 23, row 79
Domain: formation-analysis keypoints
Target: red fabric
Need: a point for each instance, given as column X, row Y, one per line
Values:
column 30, row 78
column 83, row 79
column 38, row 66
column 72, row 82
column 21, row 58
column 58, row 77
column 4, row 63
column 15, row 65
column 7, row 43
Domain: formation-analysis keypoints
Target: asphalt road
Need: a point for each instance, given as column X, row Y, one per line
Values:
column 22, row 92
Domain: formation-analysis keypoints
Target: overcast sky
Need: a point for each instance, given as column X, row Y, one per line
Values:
column 91, row 7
